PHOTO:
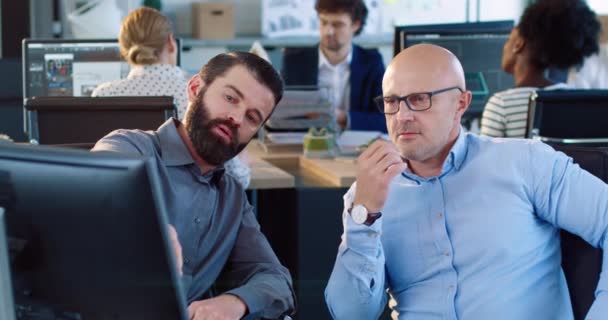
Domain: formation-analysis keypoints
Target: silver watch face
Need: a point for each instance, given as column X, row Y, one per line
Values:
column 359, row 214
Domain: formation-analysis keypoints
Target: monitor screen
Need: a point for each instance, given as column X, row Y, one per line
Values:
column 477, row 45
column 71, row 67
column 90, row 235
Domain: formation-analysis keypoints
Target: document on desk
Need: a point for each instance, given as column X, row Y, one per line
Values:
column 350, row 142
column 286, row 137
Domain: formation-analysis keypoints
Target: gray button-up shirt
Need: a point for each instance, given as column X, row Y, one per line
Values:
column 222, row 244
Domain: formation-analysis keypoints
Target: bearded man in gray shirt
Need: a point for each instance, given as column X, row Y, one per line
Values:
column 223, row 248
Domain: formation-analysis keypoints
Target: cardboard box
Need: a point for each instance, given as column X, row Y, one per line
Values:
column 213, row 20
column 604, row 34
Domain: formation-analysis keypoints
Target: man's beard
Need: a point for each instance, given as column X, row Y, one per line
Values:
column 208, row 145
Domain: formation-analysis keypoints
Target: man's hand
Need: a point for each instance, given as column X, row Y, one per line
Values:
column 177, row 248
column 224, row 307
column 376, row 167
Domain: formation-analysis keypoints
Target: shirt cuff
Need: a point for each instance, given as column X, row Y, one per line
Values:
column 254, row 302
column 361, row 238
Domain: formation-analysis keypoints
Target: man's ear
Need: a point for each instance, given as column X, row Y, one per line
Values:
column 194, row 86
column 464, row 101
column 356, row 26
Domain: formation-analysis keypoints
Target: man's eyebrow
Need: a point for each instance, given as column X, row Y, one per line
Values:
column 238, row 92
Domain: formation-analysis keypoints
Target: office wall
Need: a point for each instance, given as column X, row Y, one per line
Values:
column 247, row 14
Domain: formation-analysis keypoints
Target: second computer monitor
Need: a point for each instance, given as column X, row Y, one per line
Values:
column 53, row 67
column 477, row 45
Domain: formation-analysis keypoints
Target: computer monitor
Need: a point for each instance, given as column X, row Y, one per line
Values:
column 478, row 46
column 91, row 235
column 59, row 67
column 7, row 305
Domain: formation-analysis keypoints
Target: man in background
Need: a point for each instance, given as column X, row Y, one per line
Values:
column 353, row 74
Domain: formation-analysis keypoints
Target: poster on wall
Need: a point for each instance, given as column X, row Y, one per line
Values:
column 298, row 18
column 416, row 12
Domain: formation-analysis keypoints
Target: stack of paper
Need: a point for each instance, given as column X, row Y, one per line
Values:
column 302, row 109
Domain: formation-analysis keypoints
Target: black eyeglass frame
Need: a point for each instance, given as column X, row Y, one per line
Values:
column 379, row 100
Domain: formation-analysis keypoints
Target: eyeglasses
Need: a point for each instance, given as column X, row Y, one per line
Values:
column 418, row 101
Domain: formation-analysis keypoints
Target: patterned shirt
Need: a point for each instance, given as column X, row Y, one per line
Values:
column 150, row 80
column 165, row 80
column 506, row 113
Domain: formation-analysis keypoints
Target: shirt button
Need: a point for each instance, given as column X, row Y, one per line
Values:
column 440, row 215
column 197, row 220
column 451, row 288
column 446, row 253
column 371, row 234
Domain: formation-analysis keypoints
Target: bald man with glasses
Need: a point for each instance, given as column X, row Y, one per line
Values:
column 457, row 226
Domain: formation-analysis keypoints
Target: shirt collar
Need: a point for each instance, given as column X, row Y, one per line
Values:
column 455, row 158
column 173, row 149
column 175, row 153
column 324, row 62
column 457, row 153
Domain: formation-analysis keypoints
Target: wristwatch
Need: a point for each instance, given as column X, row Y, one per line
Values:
column 361, row 216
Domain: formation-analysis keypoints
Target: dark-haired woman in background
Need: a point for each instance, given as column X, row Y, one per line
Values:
column 551, row 33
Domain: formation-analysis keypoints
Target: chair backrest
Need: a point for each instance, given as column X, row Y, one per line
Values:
column 568, row 116
column 84, row 120
column 581, row 262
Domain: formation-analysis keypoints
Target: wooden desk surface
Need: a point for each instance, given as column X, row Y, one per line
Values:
column 316, row 172
column 264, row 175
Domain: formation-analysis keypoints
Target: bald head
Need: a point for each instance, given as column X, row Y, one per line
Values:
column 425, row 136
column 425, row 67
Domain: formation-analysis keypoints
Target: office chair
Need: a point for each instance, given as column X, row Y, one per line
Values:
column 568, row 117
column 581, row 262
column 82, row 121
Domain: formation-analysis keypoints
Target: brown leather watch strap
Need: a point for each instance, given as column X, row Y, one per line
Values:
column 372, row 217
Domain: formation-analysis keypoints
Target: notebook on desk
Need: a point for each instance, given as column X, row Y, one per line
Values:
column 352, row 142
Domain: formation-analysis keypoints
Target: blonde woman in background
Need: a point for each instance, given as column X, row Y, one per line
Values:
column 147, row 43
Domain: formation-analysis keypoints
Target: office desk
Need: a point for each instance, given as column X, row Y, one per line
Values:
column 308, row 172
column 264, row 175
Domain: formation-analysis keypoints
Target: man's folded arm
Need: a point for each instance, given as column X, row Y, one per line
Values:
column 357, row 286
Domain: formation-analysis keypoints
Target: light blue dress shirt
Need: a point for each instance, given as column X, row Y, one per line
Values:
column 479, row 241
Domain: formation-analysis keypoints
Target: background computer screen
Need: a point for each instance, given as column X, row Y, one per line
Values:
column 71, row 67
column 90, row 235
column 477, row 45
